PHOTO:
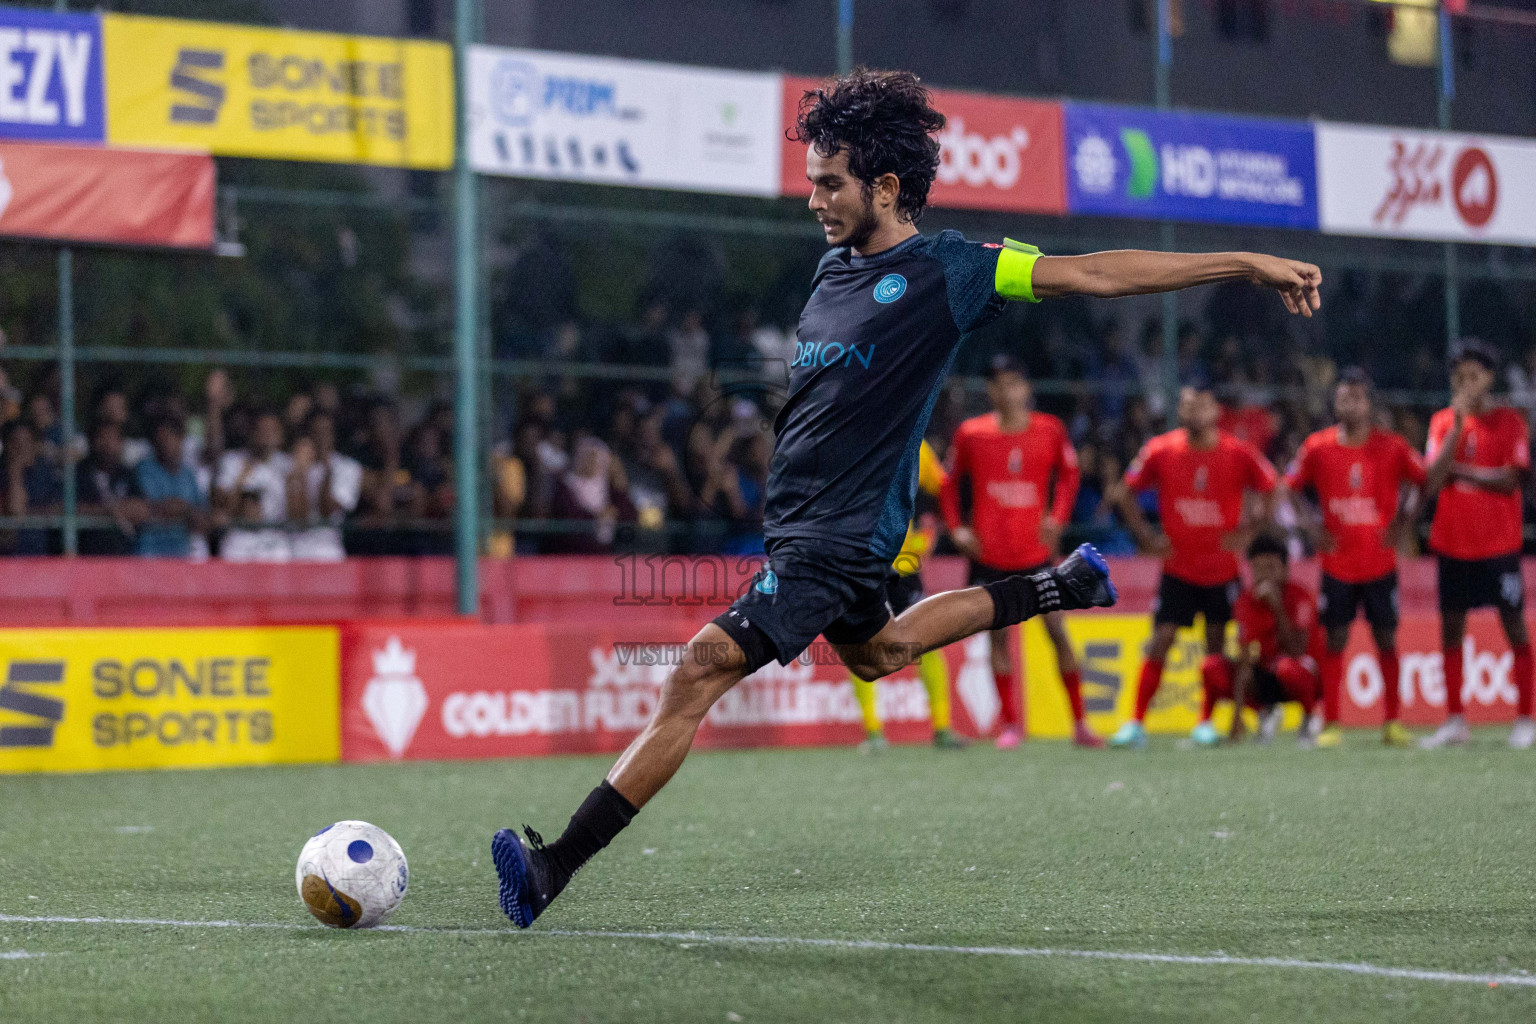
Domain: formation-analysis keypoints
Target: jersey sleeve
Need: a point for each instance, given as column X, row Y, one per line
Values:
column 1068, row 477
column 1143, row 472
column 1245, row 612
column 1520, row 442
column 930, row 472
column 1261, row 475
column 949, row 492
column 970, row 275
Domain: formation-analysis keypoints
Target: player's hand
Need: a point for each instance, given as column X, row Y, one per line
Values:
column 1327, row 543
column 966, row 541
column 1296, row 282
column 1396, row 530
column 1236, row 541
column 1267, row 592
column 1050, row 533
column 1158, row 544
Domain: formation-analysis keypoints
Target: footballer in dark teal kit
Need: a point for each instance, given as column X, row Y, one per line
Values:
column 888, row 310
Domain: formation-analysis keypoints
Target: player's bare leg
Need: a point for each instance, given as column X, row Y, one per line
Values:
column 1071, row 680
column 1081, row 581
column 1454, row 732
column 534, row 874
column 1523, row 734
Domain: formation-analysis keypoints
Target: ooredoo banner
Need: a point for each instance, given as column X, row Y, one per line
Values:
column 1134, row 162
column 996, row 152
column 50, row 76
column 535, row 114
column 1488, row 687
column 236, row 90
column 1429, row 185
column 467, row 690
column 92, row 194
column 75, row 700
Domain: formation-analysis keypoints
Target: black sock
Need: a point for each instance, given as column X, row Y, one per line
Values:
column 601, row 816
column 1016, row 598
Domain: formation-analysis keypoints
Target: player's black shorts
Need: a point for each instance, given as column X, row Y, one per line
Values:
column 1481, row 583
column 1339, row 601
column 902, row 592
column 808, row 588
column 1179, row 602
column 981, row 574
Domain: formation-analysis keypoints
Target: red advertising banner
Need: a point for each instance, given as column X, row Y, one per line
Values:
column 90, row 194
column 998, row 153
column 1488, row 688
column 465, row 690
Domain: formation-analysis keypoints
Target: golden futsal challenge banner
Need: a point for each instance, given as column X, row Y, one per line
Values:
column 74, row 700
column 275, row 93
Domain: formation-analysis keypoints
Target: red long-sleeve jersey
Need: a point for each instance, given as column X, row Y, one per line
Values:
column 1015, row 478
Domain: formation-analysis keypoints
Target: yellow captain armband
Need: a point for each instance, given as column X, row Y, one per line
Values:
column 1015, row 277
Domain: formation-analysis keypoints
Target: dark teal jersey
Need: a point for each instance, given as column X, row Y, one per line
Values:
column 875, row 343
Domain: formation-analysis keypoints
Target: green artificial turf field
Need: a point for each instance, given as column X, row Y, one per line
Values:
column 1396, row 859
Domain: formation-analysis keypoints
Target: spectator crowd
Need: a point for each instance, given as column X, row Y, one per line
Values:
column 671, row 456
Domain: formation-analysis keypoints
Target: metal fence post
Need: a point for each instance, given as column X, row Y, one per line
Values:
column 67, row 396
column 1170, row 299
column 466, row 282
column 844, row 36
column 1447, row 95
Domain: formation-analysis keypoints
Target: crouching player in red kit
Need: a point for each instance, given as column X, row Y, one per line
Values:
column 1024, row 478
column 1479, row 454
column 1367, row 482
column 1276, row 637
column 1202, row 477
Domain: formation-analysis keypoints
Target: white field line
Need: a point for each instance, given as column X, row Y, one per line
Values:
column 17, row 954
column 701, row 938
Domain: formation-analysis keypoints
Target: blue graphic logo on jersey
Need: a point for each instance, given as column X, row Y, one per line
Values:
column 768, row 584
column 816, row 353
column 890, row 288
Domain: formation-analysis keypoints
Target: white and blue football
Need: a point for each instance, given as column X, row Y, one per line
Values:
column 352, row 875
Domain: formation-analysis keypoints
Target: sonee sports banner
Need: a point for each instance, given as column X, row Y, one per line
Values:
column 259, row 92
column 79, row 700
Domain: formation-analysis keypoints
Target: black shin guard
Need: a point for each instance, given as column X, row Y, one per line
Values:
column 1016, row 598
column 602, row 815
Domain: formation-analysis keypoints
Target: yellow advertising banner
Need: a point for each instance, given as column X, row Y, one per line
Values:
column 234, row 90
column 79, row 700
column 1110, row 650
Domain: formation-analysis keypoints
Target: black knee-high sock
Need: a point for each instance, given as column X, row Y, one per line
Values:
column 602, row 815
column 1016, row 598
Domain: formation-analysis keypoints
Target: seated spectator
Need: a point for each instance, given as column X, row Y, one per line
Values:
column 174, row 500
column 34, row 486
column 254, row 543
column 323, row 490
column 105, row 487
column 261, row 469
column 592, row 490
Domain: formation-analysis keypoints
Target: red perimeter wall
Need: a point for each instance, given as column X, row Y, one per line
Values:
column 128, row 591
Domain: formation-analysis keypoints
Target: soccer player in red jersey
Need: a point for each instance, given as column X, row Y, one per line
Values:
column 1277, row 637
column 1202, row 477
column 1367, row 482
column 1478, row 456
column 1024, row 477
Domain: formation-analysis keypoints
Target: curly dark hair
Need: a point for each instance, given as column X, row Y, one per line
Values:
column 886, row 122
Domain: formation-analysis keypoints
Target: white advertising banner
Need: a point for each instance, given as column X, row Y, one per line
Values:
column 536, row 114
column 1431, row 185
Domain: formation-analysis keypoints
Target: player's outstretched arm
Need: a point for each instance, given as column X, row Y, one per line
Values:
column 1121, row 272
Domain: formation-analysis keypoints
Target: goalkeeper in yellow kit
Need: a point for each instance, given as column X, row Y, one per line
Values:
column 904, row 588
